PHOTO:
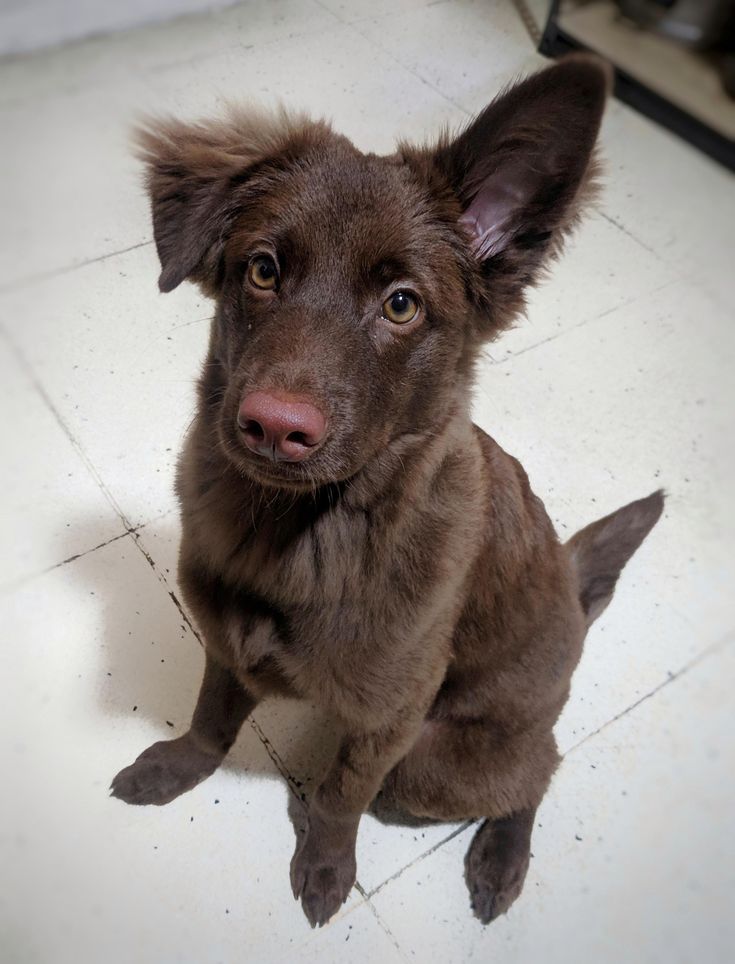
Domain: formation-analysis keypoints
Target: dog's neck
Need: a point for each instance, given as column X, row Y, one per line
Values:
column 401, row 472
column 408, row 463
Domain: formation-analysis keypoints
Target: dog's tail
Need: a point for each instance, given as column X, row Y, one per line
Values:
column 600, row 550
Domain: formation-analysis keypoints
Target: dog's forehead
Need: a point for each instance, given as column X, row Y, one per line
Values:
column 355, row 203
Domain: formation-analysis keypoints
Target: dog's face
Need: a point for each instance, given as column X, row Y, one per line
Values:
column 354, row 291
column 342, row 316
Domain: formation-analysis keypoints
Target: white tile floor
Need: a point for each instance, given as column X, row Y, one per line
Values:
column 619, row 380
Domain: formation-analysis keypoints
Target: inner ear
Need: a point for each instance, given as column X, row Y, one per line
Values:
column 492, row 215
column 519, row 167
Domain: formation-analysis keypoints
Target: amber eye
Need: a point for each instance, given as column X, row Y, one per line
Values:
column 400, row 308
column 263, row 272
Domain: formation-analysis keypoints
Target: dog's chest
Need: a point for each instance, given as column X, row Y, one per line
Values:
column 309, row 585
column 336, row 609
column 310, row 570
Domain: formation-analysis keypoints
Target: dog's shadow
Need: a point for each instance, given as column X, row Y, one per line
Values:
column 151, row 663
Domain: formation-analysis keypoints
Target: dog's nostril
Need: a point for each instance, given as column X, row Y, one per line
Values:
column 297, row 437
column 253, row 429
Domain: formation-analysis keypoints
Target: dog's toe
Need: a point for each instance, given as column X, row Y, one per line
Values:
column 490, row 895
column 322, row 896
column 484, row 905
column 322, row 884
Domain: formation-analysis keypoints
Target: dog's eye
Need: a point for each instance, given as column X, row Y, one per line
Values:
column 400, row 308
column 263, row 272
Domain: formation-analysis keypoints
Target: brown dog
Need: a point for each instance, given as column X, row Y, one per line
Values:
column 349, row 535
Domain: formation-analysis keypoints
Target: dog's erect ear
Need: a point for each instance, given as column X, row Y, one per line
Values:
column 195, row 174
column 520, row 170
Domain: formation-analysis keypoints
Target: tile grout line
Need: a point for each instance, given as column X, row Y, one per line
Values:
column 709, row 651
column 518, row 75
column 300, row 801
column 715, row 647
column 611, row 220
column 384, row 16
column 134, row 531
column 31, row 374
column 354, row 27
column 289, row 779
column 333, row 13
column 130, row 529
column 291, row 785
column 166, row 585
column 417, row 860
column 276, row 758
column 680, row 267
column 22, row 580
column 382, row 924
column 19, row 283
column 580, row 324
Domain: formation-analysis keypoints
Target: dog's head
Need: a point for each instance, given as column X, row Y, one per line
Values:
column 354, row 291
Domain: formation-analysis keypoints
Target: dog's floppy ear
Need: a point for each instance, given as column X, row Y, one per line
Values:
column 522, row 168
column 195, row 175
column 188, row 176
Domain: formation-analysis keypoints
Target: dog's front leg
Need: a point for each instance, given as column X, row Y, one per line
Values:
column 323, row 867
column 170, row 767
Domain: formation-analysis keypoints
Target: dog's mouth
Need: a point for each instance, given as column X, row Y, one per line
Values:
column 268, row 469
column 280, row 475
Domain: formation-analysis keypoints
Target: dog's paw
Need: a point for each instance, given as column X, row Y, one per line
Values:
column 163, row 772
column 322, row 882
column 494, row 873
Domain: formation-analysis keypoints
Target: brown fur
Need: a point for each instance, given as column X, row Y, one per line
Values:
column 404, row 576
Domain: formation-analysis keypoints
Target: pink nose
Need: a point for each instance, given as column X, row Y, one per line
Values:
column 282, row 427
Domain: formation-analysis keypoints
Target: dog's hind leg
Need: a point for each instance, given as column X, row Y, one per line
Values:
column 465, row 770
column 388, row 812
column 169, row 768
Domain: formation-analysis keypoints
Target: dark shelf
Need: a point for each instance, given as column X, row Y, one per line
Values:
column 556, row 41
